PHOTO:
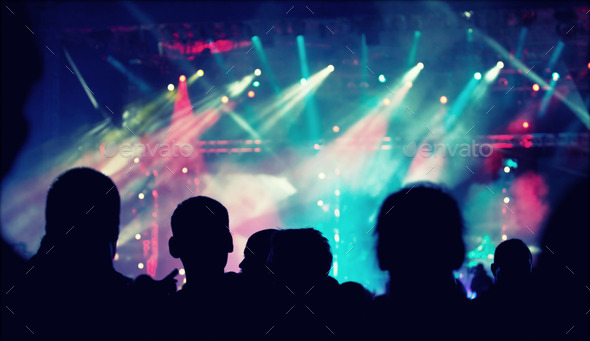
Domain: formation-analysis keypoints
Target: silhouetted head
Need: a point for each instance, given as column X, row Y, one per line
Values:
column 512, row 261
column 256, row 253
column 200, row 235
column 420, row 224
column 83, row 211
column 300, row 256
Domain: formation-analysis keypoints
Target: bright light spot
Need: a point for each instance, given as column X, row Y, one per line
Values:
column 335, row 129
column 535, row 87
column 337, row 238
column 200, row 73
column 137, row 236
column 141, row 196
column 184, row 170
column 320, row 203
column 257, row 72
column 303, row 81
column 337, row 212
column 116, row 256
column 420, row 66
column 256, row 84
column 555, row 76
column 477, row 75
column 506, row 200
column 330, row 68
column 490, row 256
column 181, row 272
column 337, row 192
column 382, row 78
column 182, row 78
column 140, row 265
column 504, row 237
column 316, row 146
column 386, row 101
column 183, row 281
column 224, row 99
column 409, row 84
column 136, row 160
column 500, row 64
column 251, row 94
column 171, row 87
column 443, row 99
column 467, row 14
column 322, row 175
column 525, row 124
column 506, row 169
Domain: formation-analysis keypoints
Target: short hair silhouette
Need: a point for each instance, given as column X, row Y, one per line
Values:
column 512, row 260
column 420, row 224
column 84, row 204
column 200, row 233
column 256, row 252
column 300, row 255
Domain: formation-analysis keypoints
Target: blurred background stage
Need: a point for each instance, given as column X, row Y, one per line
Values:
column 306, row 114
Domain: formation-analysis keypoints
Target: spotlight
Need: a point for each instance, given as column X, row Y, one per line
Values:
column 504, row 237
column 181, row 272
column 386, row 101
column 382, row 78
column 251, row 94
column 330, row 68
column 200, row 73
column 257, row 72
column 535, row 87
column 443, row 99
column 224, row 99
column 500, row 64
column 140, row 265
column 141, row 196
column 525, row 124
column 316, row 146
column 477, row 75
column 506, row 169
column 185, row 170
column 303, row 81
column 337, row 192
column 256, row 84
column 506, row 200
column 420, row 66
column 322, row 175
column 182, row 78
column 555, row 76
column 137, row 236
column 409, row 84
column 170, row 87
column 320, row 203
column 335, row 129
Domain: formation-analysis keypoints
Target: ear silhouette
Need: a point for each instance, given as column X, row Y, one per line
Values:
column 173, row 247
column 494, row 268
